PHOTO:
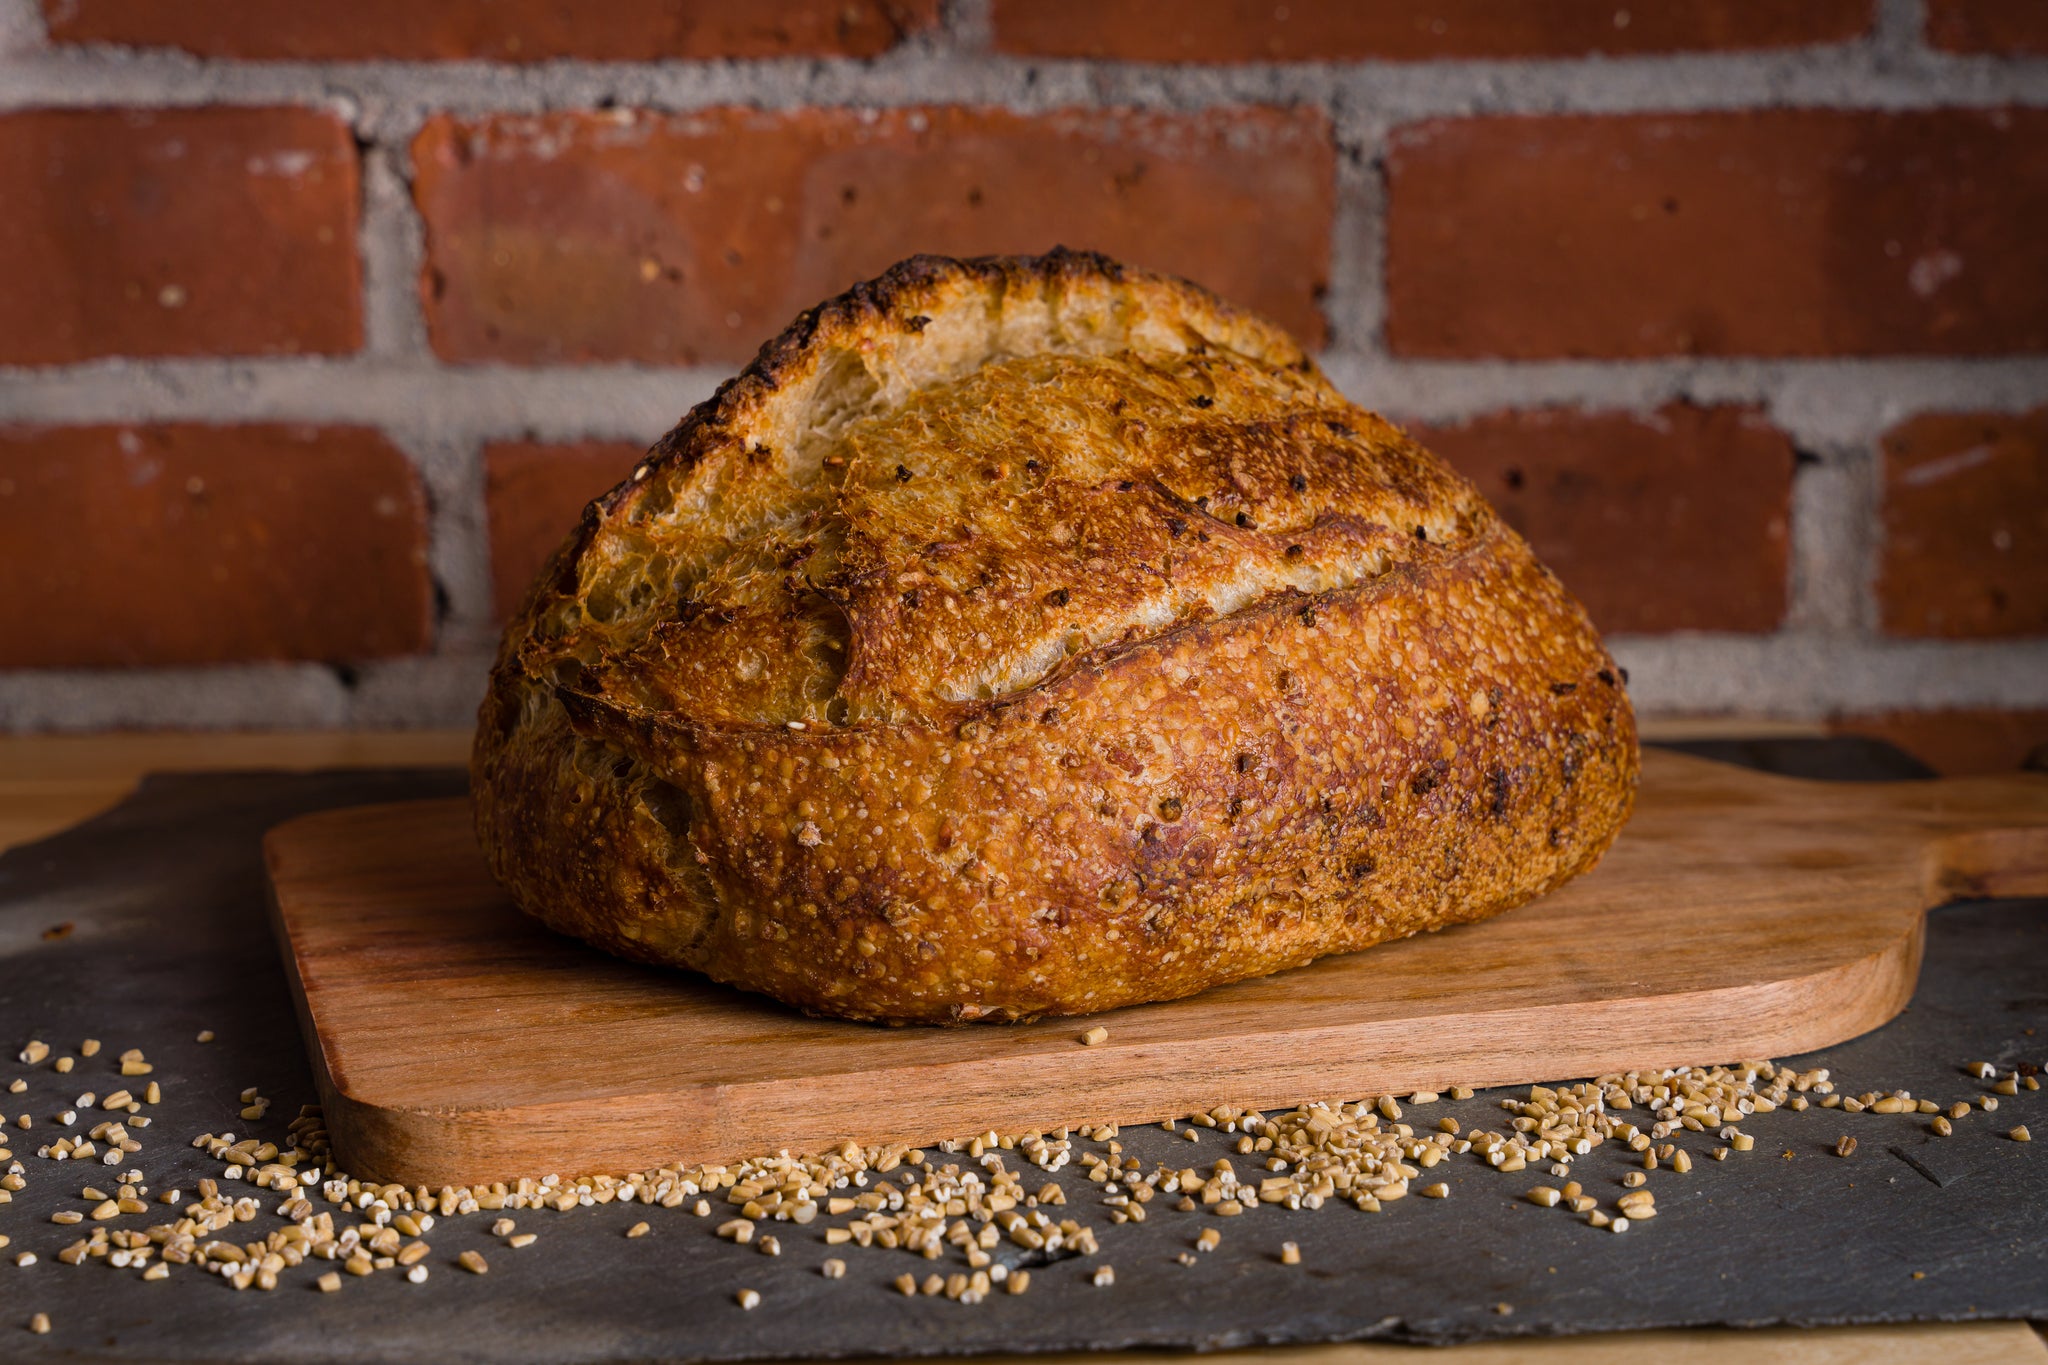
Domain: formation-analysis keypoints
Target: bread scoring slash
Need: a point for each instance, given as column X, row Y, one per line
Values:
column 1038, row 635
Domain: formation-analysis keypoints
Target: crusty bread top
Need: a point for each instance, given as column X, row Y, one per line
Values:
column 947, row 484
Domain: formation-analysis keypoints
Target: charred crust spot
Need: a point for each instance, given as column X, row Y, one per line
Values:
column 1299, row 483
column 1124, row 485
column 1308, row 617
column 1563, row 689
column 1049, row 716
column 1284, row 680
column 1244, row 519
column 1422, row 533
column 1429, row 778
column 1358, row 869
column 1606, row 675
column 912, row 598
column 1624, row 676
column 1058, row 597
column 1169, row 808
column 1336, row 428
column 1203, row 400
column 1295, row 552
column 1497, row 787
column 917, row 322
column 1175, row 527
column 1245, row 763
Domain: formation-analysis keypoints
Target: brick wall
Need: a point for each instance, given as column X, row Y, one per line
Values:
column 318, row 323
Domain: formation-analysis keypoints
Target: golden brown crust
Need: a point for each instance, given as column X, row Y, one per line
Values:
column 1035, row 635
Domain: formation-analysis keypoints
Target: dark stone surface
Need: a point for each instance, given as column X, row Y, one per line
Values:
column 164, row 897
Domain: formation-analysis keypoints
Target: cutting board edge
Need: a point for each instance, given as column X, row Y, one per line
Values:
column 463, row 1145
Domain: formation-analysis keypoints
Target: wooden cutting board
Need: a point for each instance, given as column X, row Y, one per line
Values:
column 1741, row 915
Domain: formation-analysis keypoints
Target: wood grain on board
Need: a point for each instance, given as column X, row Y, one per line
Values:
column 1741, row 915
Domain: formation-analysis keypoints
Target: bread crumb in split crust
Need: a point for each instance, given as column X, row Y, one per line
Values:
column 1038, row 635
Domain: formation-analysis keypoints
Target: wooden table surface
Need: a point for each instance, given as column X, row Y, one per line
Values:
column 49, row 782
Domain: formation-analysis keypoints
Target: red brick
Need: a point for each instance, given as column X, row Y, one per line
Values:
column 1673, row 522
column 599, row 236
column 185, row 544
column 2009, row 26
column 1966, row 526
column 494, row 30
column 533, row 493
column 1780, row 232
column 177, row 232
column 1411, row 30
column 1960, row 743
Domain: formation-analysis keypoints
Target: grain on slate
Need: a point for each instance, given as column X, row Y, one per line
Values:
column 913, row 1201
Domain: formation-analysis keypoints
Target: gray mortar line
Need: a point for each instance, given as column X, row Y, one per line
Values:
column 393, row 97
column 968, row 27
column 458, row 540
column 1830, row 591
column 1816, row 401
column 437, row 692
column 1798, row 676
column 1820, row 402
column 1898, row 32
column 21, row 28
column 392, row 241
column 286, row 696
column 414, row 400
column 1355, row 304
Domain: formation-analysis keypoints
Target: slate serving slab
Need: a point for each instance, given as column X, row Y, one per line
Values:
column 167, row 936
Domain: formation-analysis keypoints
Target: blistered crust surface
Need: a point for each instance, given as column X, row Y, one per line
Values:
column 1036, row 636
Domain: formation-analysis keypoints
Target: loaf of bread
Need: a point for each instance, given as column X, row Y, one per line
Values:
column 1029, row 636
